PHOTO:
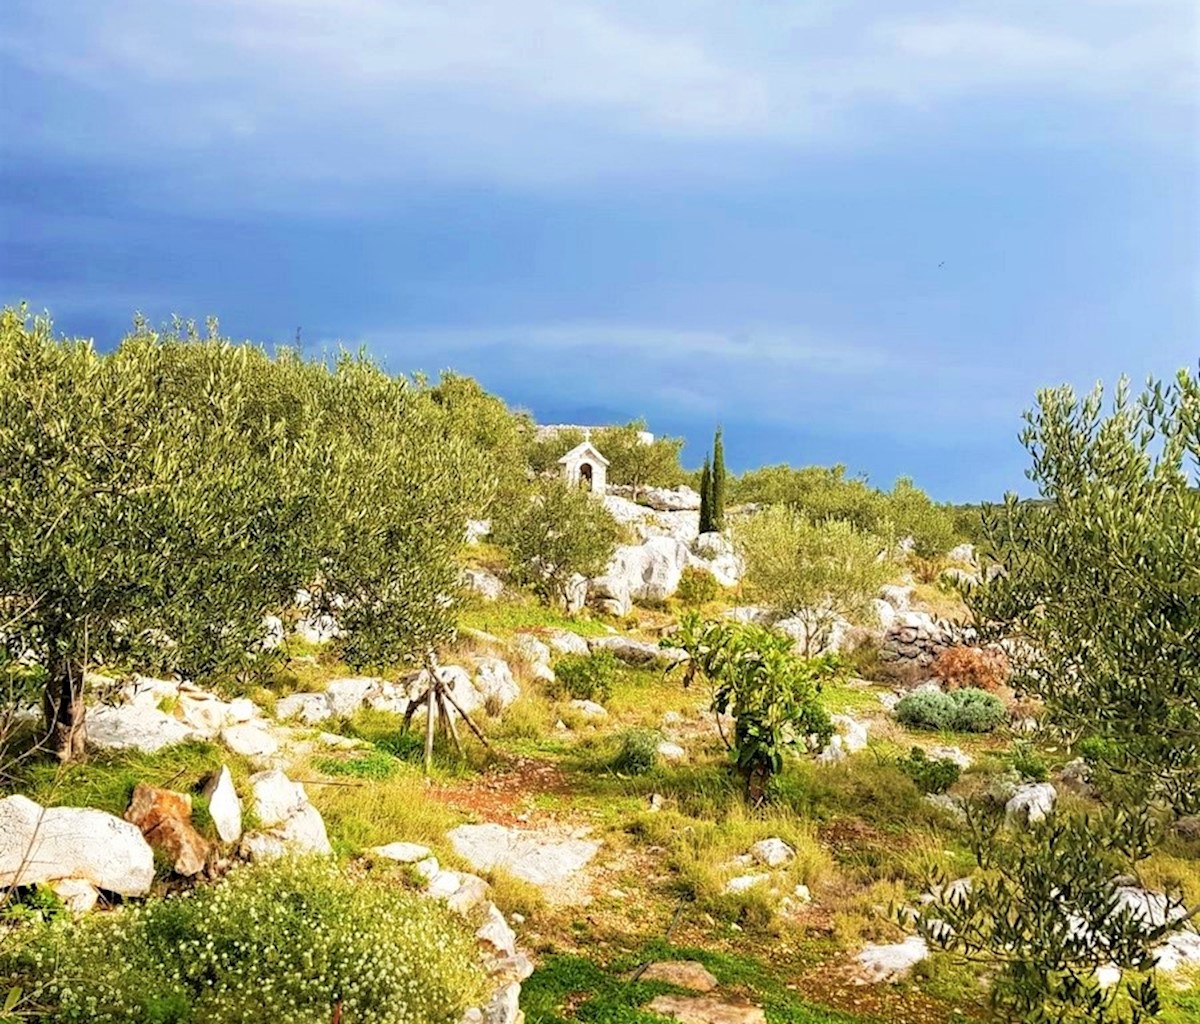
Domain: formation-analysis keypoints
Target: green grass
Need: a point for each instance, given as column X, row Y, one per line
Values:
column 106, row 781
column 510, row 615
column 572, row 988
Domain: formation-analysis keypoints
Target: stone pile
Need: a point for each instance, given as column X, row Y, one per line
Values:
column 915, row 638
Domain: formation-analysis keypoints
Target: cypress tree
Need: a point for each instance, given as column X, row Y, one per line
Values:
column 706, row 497
column 717, row 503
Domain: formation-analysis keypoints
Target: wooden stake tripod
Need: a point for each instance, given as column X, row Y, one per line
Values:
column 435, row 698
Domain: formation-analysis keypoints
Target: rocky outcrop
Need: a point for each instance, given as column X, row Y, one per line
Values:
column 41, row 845
column 289, row 823
column 134, row 727
column 165, row 820
column 637, row 652
column 483, row 583
column 1030, row 803
column 660, row 499
column 541, row 858
column 890, row 963
column 651, row 570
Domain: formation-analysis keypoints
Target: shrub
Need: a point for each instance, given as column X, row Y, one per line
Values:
column 817, row 571
column 554, row 534
column 771, row 694
column 697, row 587
column 638, row 752
column 283, row 943
column 586, row 676
column 930, row 776
column 980, row 668
column 1027, row 761
column 960, row 711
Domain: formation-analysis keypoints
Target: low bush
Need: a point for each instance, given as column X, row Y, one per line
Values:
column 1027, row 761
column 979, row 668
column 960, row 711
column 586, row 676
column 930, row 775
column 638, row 752
column 284, row 943
column 697, row 587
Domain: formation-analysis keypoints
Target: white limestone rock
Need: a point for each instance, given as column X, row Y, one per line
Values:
column 346, row 696
column 250, row 740
column 39, row 845
column 891, row 963
column 224, row 807
column 772, row 852
column 495, row 683
column 134, row 727
column 563, row 641
column 744, row 883
column 483, row 583
column 1030, row 803
column 531, row 650
column 589, row 708
column 309, row 708
column 402, row 853
column 540, row 859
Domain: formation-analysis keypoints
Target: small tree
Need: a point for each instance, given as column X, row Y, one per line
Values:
column 635, row 463
column 772, row 695
column 1094, row 589
column 718, row 482
column 706, row 517
column 152, row 508
column 816, row 572
column 557, row 533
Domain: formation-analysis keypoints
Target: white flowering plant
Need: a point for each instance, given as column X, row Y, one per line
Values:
column 287, row 943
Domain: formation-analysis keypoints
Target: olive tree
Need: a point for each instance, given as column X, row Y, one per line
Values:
column 157, row 502
column 556, row 534
column 817, row 572
column 134, row 525
column 1094, row 590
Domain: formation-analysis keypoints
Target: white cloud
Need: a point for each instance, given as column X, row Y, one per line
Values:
column 541, row 91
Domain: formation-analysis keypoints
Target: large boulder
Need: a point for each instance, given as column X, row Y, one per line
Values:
column 651, row 570
column 1030, row 803
column 250, row 740
column 529, row 648
column 563, row 641
column 487, row 585
column 610, row 594
column 40, row 845
column 309, row 708
column 290, row 824
column 636, row 652
column 540, row 859
column 134, row 727
column 891, row 963
column 346, row 696
column 679, row 499
column 714, row 553
column 165, row 820
column 494, row 682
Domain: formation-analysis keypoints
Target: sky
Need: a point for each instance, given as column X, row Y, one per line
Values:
column 848, row 232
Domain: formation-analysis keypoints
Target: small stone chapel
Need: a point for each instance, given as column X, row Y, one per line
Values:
column 584, row 466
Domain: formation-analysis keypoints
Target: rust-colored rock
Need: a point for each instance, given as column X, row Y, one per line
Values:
column 165, row 818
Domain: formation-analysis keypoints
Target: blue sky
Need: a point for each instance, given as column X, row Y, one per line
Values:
column 852, row 231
